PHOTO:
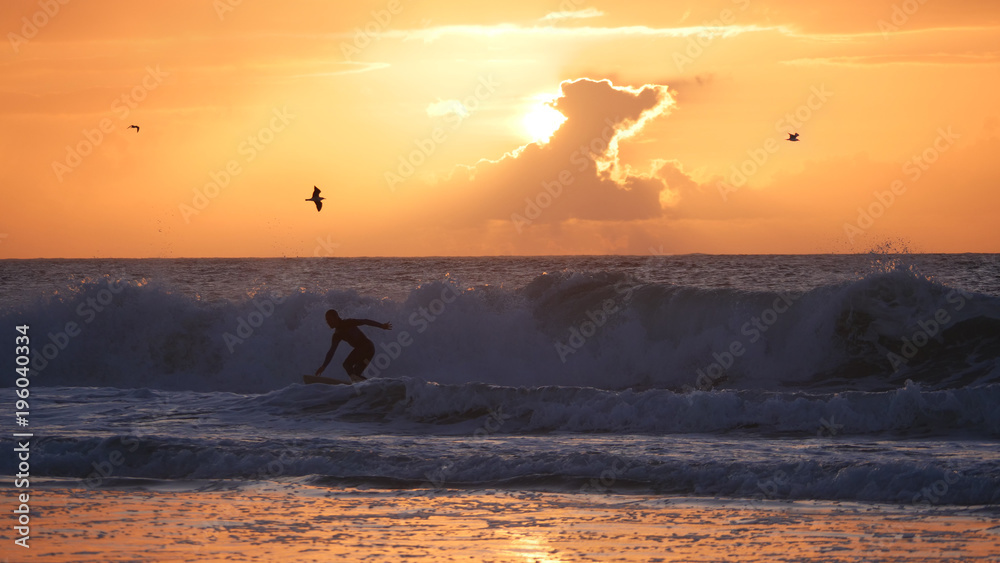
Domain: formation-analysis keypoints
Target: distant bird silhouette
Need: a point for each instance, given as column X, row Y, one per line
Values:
column 793, row 137
column 317, row 199
column 135, row 126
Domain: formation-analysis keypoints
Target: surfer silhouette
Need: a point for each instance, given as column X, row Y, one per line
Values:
column 347, row 330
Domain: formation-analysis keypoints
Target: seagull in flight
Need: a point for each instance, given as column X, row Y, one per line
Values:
column 793, row 137
column 135, row 126
column 317, row 199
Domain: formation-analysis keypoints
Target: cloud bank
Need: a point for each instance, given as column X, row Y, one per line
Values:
column 578, row 173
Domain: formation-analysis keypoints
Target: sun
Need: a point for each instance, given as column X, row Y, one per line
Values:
column 542, row 122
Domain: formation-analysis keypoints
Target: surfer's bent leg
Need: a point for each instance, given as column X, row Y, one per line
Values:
column 357, row 361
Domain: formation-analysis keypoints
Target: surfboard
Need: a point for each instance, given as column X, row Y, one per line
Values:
column 327, row 380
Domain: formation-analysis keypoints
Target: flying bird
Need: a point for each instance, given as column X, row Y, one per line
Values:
column 317, row 199
column 793, row 137
column 135, row 126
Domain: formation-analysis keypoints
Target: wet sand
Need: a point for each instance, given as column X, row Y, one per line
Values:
column 294, row 522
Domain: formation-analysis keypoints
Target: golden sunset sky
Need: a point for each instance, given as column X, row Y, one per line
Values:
column 520, row 127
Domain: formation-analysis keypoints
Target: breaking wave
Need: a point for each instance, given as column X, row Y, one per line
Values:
column 601, row 330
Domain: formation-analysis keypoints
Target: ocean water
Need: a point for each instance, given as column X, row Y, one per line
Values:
column 869, row 378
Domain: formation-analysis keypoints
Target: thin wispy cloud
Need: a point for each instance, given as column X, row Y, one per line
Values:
column 573, row 15
column 946, row 59
column 522, row 32
column 442, row 108
column 922, row 32
column 352, row 68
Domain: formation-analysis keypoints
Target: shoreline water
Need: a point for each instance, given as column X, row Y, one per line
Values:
column 281, row 521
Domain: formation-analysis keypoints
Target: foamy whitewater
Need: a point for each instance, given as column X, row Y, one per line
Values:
column 867, row 378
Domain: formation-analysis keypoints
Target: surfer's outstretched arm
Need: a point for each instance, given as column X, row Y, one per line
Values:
column 329, row 355
column 362, row 322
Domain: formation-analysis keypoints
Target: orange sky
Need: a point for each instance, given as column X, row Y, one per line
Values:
column 427, row 125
